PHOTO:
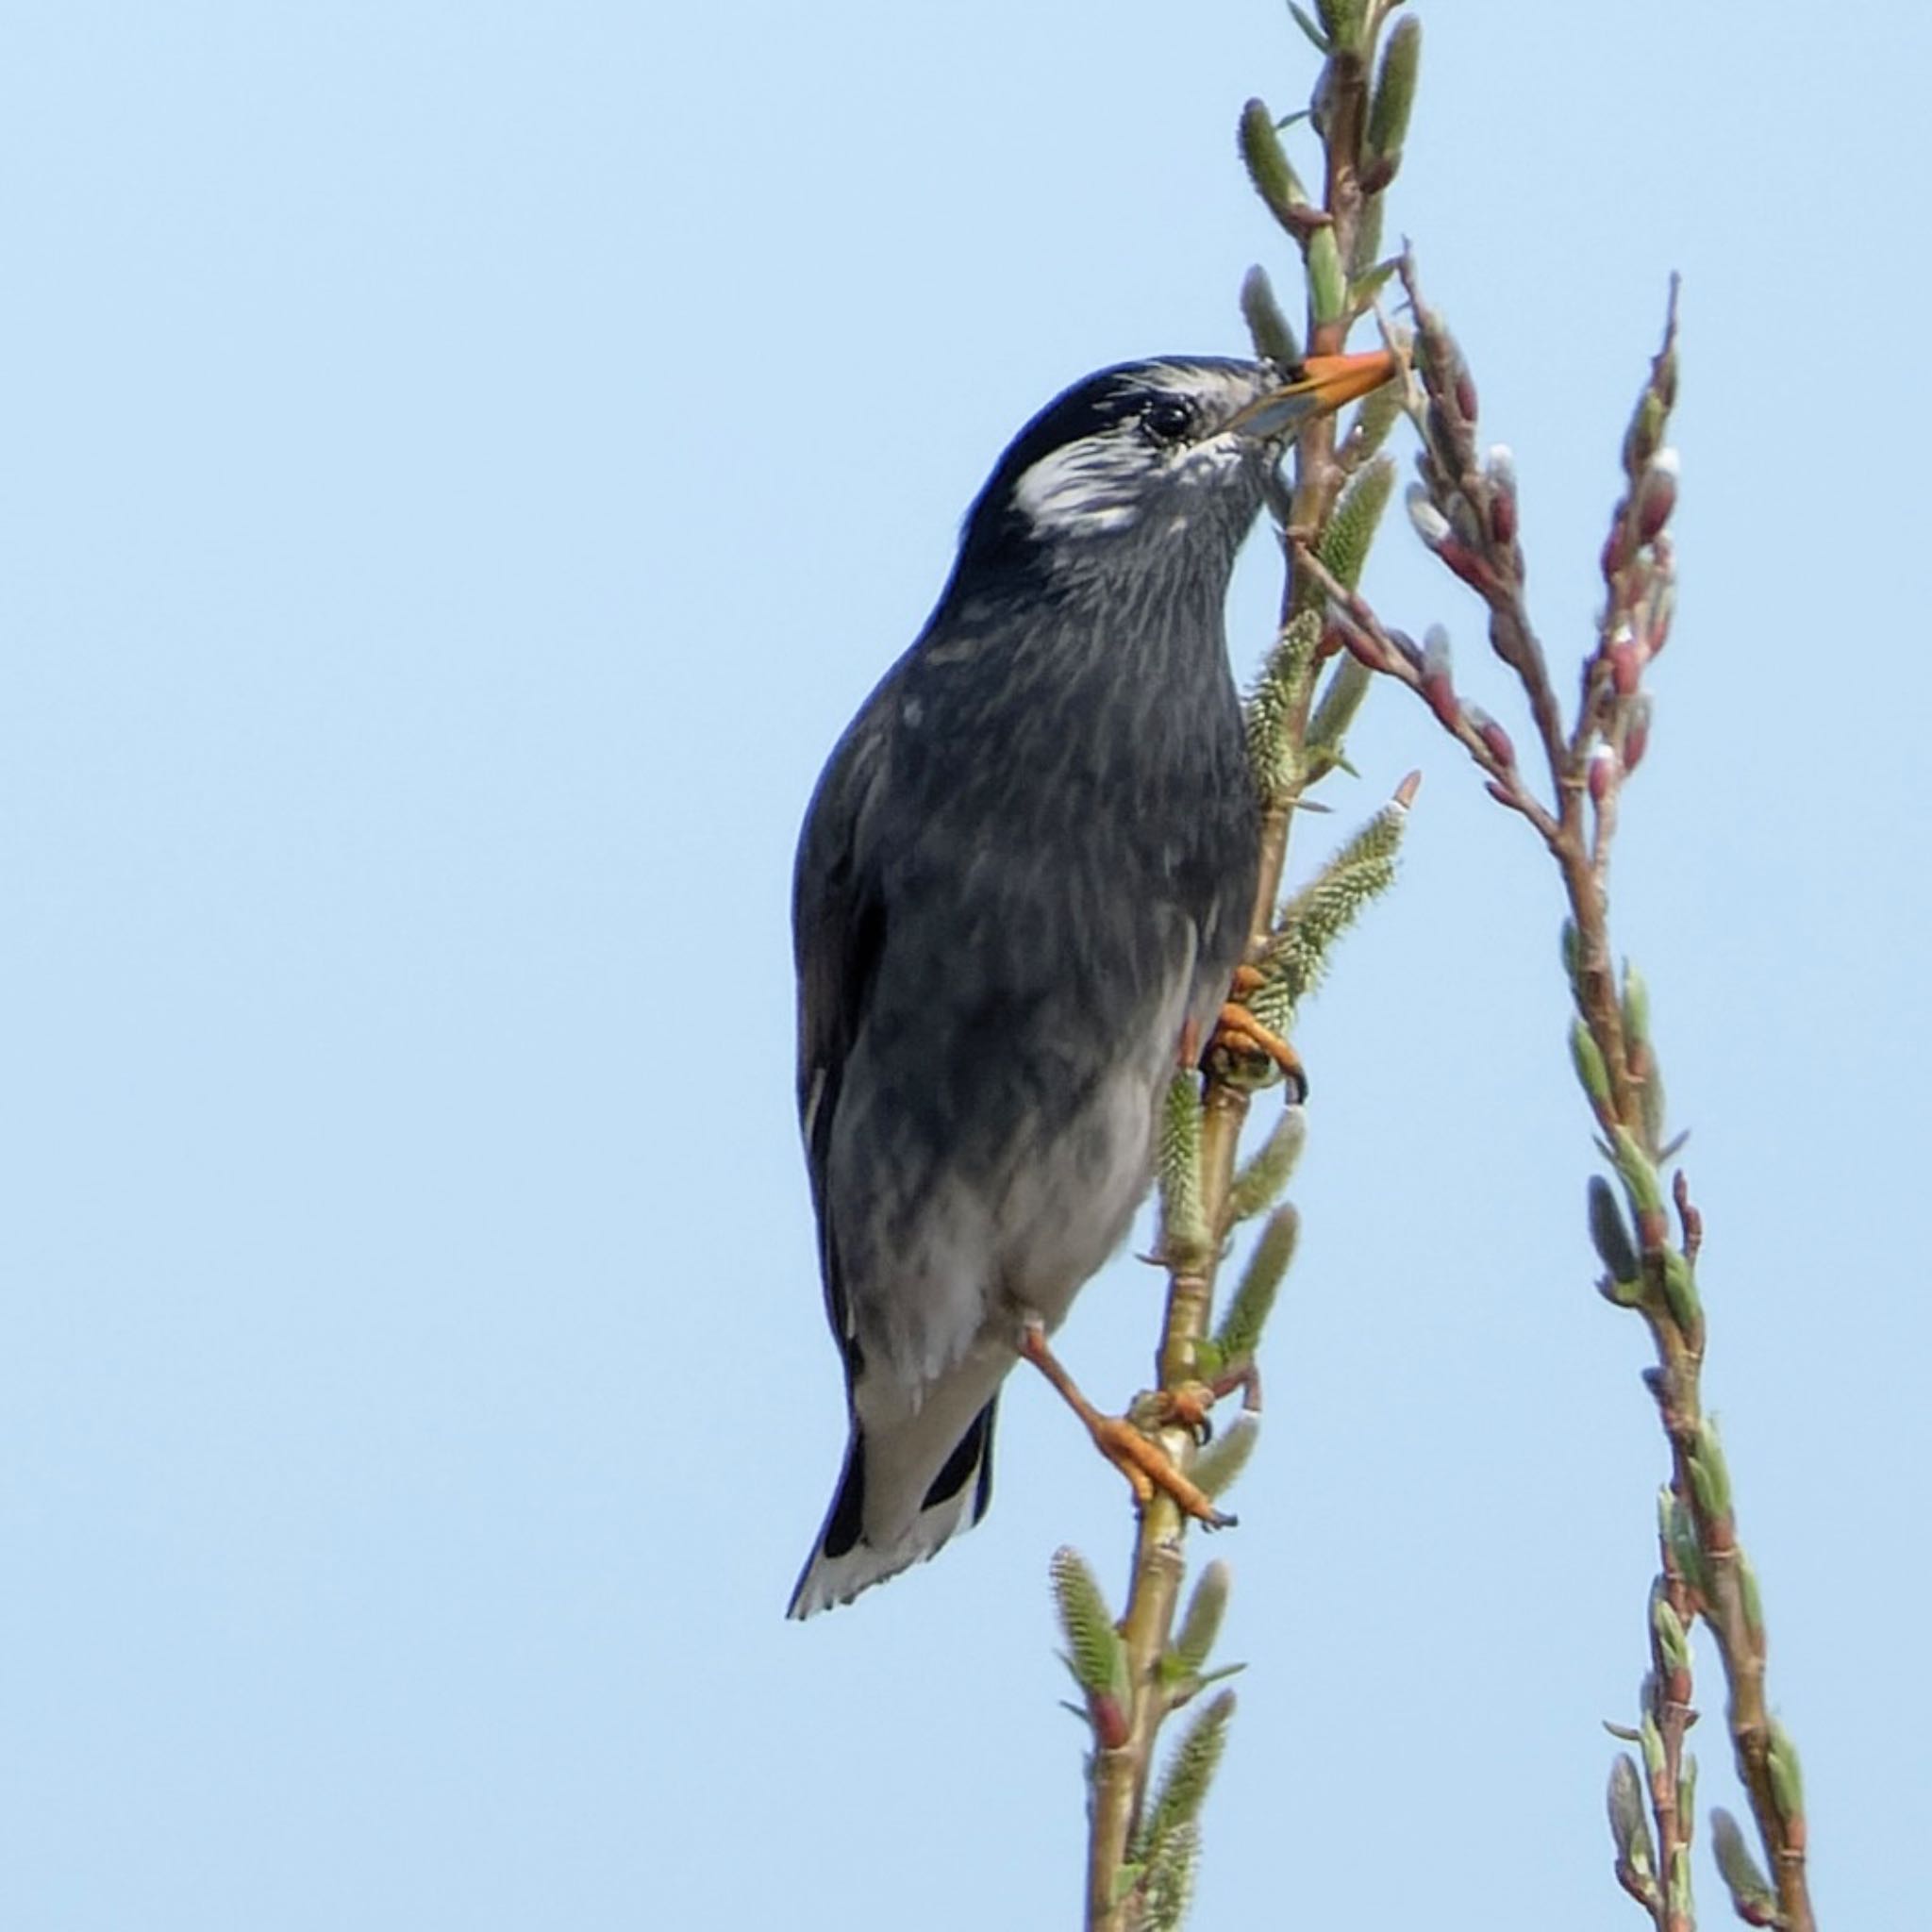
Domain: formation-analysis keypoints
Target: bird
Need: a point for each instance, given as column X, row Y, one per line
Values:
column 1025, row 876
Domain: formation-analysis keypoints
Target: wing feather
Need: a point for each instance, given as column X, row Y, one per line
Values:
column 839, row 929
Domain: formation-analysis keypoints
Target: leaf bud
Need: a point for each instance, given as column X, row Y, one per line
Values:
column 1657, row 495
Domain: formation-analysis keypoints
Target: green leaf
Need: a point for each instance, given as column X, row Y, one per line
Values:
column 1630, row 1824
column 1636, row 1004
column 1751, row 1890
column 1607, row 1232
column 1672, row 1643
column 1327, row 284
column 1314, row 33
column 1342, row 19
column 1787, row 1780
column 1680, row 1291
column 1751, row 1598
column 1587, row 1058
column 1710, row 1475
column 1634, row 1169
column 1677, row 1532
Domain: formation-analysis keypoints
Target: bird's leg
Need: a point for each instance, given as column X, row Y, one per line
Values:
column 1145, row 1463
column 1237, row 1031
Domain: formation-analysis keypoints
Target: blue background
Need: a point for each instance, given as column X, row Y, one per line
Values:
column 460, row 468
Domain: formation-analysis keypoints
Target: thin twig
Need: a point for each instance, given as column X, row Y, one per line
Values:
column 1468, row 517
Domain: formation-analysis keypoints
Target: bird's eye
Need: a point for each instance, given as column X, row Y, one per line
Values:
column 1167, row 419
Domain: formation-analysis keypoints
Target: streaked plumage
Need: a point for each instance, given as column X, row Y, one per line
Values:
column 1029, row 865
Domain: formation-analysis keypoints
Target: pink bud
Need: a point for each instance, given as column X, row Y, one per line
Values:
column 1626, row 664
column 1502, row 514
column 1663, row 607
column 1495, row 739
column 1657, row 495
column 1361, row 645
column 1602, row 772
column 1441, row 694
column 1110, row 1727
column 1467, row 565
column 1636, row 734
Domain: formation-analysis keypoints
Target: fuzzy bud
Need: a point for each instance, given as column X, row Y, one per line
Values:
column 1626, row 664
column 1657, row 495
column 1663, row 607
column 1495, row 739
column 1431, row 526
column 1500, row 472
column 1439, row 686
column 1362, row 648
column 1644, row 437
column 1602, row 772
column 1636, row 733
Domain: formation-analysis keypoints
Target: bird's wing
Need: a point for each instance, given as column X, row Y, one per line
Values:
column 837, row 919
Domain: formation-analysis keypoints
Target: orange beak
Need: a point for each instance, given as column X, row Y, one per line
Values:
column 1323, row 383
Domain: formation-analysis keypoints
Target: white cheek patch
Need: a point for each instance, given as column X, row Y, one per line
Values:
column 1089, row 485
column 1207, row 463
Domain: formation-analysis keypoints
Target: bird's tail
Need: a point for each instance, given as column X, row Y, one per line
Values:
column 849, row 1557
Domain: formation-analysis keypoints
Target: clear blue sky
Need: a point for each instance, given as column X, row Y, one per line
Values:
column 461, row 465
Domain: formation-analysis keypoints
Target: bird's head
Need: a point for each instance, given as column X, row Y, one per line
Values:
column 1161, row 454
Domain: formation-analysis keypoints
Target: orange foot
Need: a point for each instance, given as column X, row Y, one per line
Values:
column 1145, row 1463
column 1238, row 1032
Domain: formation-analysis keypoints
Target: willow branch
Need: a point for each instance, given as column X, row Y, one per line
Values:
column 1465, row 512
column 1328, row 238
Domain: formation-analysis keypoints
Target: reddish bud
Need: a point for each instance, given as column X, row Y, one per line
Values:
column 1110, row 1727
column 1465, row 391
column 1626, row 666
column 1617, row 548
column 1495, row 739
column 1663, row 607
column 1468, row 566
column 1503, row 515
column 1657, row 495
column 1442, row 698
column 1636, row 733
column 1602, row 772
column 1501, row 794
column 1362, row 646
